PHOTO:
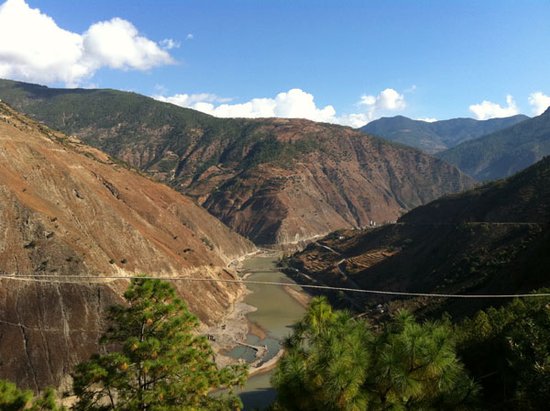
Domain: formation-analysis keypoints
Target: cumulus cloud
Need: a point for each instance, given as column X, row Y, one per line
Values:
column 371, row 107
column 539, row 101
column 294, row 103
column 487, row 109
column 34, row 48
column 428, row 119
column 388, row 99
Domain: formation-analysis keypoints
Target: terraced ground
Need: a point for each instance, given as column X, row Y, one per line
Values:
column 493, row 239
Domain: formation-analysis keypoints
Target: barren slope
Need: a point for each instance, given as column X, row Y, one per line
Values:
column 67, row 209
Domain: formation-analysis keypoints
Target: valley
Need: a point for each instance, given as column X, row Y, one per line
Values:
column 460, row 243
column 274, row 205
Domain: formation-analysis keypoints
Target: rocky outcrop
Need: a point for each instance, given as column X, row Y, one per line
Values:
column 67, row 209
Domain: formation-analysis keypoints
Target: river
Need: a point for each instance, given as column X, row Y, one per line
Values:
column 276, row 312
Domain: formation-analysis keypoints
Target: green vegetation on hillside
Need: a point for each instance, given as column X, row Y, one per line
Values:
column 503, row 152
column 438, row 135
column 118, row 121
column 508, row 351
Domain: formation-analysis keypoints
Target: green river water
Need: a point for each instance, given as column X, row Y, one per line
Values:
column 276, row 312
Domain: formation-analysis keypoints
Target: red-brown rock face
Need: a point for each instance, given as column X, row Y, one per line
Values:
column 346, row 179
column 67, row 209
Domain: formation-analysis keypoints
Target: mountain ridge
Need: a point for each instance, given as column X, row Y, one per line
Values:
column 490, row 240
column 504, row 152
column 275, row 181
column 433, row 137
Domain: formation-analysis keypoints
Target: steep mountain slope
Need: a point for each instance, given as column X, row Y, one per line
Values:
column 494, row 239
column 504, row 152
column 438, row 135
column 272, row 180
column 67, row 209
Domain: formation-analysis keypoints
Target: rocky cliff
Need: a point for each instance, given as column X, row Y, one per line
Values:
column 68, row 209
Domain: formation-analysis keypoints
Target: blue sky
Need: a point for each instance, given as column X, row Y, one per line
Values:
column 340, row 61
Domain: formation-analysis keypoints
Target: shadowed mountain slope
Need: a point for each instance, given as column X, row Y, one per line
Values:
column 494, row 239
column 432, row 137
column 273, row 180
column 504, row 152
column 66, row 209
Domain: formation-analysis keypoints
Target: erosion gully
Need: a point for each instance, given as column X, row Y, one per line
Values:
column 277, row 309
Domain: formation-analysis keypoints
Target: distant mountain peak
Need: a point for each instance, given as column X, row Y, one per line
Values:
column 436, row 136
column 503, row 152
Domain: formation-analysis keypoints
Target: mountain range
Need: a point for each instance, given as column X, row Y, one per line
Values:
column 275, row 181
column 433, row 137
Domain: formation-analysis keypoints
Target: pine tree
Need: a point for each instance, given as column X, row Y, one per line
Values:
column 415, row 366
column 326, row 362
column 337, row 362
column 156, row 360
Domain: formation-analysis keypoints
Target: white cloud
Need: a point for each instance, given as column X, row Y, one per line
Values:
column 189, row 36
column 34, row 48
column 294, row 103
column 169, row 44
column 539, row 101
column 428, row 119
column 388, row 99
column 487, row 109
column 190, row 100
column 372, row 107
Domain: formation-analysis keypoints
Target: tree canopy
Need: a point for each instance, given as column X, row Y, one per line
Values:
column 154, row 359
column 337, row 362
column 508, row 351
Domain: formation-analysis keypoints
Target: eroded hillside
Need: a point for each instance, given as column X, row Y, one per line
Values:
column 68, row 209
